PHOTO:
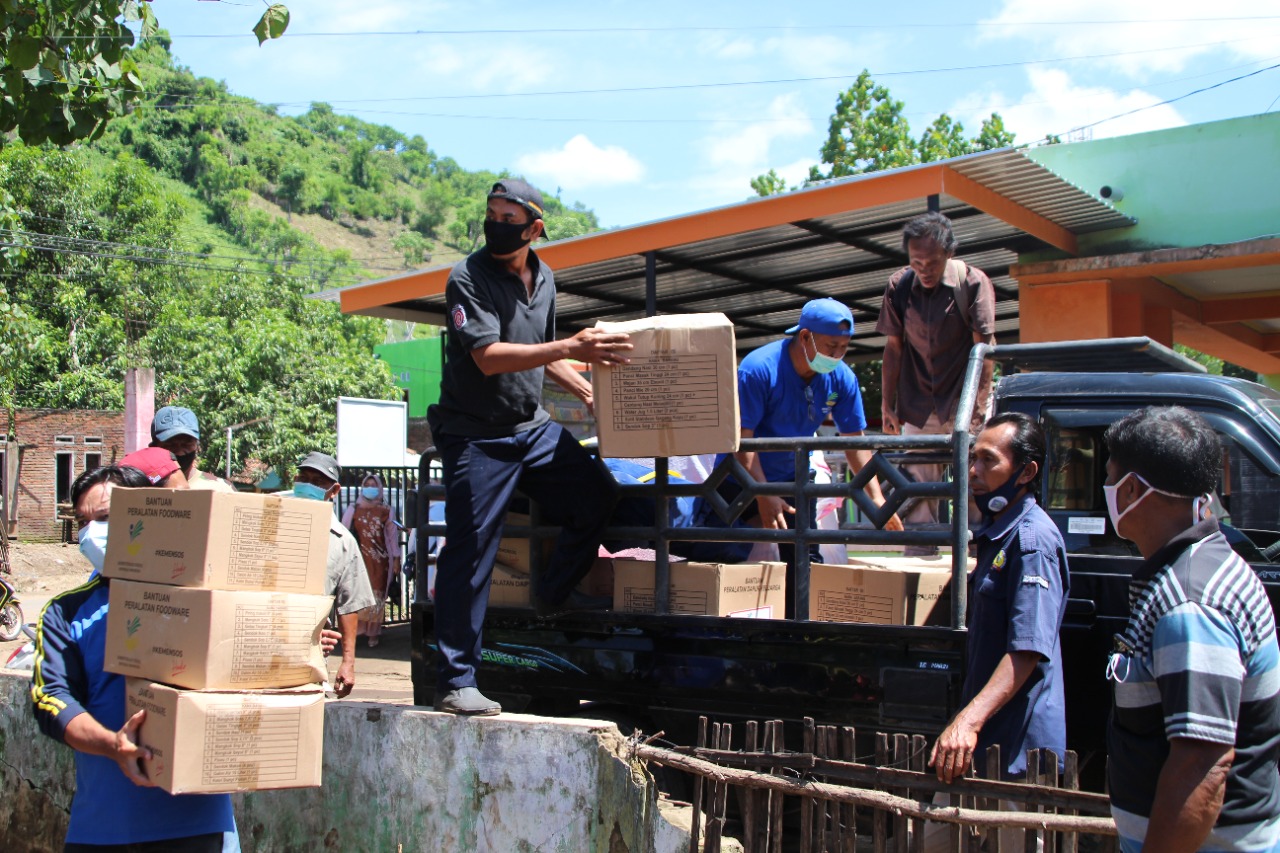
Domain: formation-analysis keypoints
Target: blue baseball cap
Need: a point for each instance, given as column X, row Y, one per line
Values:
column 824, row 317
column 174, row 420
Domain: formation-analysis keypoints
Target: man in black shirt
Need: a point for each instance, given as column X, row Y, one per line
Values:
column 494, row 436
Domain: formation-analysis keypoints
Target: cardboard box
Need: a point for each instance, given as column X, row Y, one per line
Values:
column 510, row 588
column 211, row 742
column 215, row 639
column 887, row 591
column 746, row 590
column 516, row 552
column 201, row 538
column 679, row 394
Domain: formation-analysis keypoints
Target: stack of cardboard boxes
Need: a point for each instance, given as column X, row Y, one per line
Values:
column 215, row 611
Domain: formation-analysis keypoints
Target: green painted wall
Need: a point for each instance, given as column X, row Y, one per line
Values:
column 415, row 367
column 1187, row 186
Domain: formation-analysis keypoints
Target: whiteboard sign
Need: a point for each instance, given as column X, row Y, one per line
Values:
column 372, row 433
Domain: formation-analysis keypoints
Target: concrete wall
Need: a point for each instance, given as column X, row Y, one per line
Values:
column 1187, row 186
column 395, row 778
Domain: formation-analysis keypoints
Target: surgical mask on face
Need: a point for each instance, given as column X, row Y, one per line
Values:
column 994, row 501
column 503, row 238
column 308, row 491
column 1113, row 512
column 371, row 493
column 93, row 544
column 820, row 363
column 186, row 460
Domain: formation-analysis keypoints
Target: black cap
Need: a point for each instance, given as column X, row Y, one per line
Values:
column 324, row 463
column 522, row 193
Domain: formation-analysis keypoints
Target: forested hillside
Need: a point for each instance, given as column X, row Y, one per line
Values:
column 188, row 237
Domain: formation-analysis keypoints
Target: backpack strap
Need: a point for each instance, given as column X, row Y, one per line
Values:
column 960, row 271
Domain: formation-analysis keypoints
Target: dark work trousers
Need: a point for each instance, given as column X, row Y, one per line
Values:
column 572, row 490
column 729, row 490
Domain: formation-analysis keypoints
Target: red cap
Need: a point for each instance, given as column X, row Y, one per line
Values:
column 156, row 462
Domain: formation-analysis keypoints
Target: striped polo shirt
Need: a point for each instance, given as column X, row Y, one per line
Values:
column 1198, row 659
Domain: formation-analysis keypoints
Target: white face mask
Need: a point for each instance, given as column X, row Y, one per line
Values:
column 1109, row 492
column 93, row 544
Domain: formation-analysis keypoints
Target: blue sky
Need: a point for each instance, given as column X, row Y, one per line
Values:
column 703, row 96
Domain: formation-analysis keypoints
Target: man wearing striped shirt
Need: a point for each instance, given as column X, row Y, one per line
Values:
column 1195, row 723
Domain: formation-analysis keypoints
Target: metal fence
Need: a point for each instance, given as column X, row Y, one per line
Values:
column 889, row 451
column 401, row 488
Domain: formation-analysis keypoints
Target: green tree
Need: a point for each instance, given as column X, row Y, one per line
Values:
column 293, row 186
column 415, row 247
column 993, row 134
column 66, row 67
column 770, row 183
column 868, row 133
column 941, row 140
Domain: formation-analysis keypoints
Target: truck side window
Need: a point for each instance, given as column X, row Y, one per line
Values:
column 1075, row 465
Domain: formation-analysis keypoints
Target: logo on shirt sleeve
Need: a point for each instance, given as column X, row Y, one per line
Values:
column 458, row 316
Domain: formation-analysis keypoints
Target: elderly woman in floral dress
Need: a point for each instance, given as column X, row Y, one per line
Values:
column 372, row 521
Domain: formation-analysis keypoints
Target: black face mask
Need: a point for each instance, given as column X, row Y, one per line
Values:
column 185, row 460
column 994, row 502
column 503, row 238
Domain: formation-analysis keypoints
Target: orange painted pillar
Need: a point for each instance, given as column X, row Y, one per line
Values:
column 1088, row 310
column 1069, row 311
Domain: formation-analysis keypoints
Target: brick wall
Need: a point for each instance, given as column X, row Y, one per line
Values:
column 37, row 432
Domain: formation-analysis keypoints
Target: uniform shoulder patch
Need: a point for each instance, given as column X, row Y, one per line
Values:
column 998, row 563
column 458, row 316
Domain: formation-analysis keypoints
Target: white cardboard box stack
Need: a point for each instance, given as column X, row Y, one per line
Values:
column 215, row 611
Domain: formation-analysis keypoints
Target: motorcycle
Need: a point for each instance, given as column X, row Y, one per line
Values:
column 23, row 658
column 10, row 612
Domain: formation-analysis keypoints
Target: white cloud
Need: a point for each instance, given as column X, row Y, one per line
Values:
column 800, row 53
column 366, row 16
column 738, row 146
column 1145, row 46
column 732, row 49
column 1055, row 104
column 736, row 153
column 581, row 164
column 816, row 55
column 492, row 71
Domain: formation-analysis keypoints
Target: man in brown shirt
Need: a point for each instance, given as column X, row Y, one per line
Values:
column 948, row 306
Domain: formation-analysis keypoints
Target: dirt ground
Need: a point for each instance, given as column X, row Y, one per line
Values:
column 42, row 570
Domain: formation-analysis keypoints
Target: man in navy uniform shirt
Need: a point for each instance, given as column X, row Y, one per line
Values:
column 493, row 435
column 1012, row 694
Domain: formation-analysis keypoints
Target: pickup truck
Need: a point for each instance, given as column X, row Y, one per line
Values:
column 661, row 671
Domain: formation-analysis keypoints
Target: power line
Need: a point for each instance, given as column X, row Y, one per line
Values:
column 780, row 81
column 1172, row 100
column 911, row 25
column 196, row 102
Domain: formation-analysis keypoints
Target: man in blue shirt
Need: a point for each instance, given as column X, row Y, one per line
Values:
column 75, row 701
column 1195, row 726
column 787, row 389
column 1012, row 694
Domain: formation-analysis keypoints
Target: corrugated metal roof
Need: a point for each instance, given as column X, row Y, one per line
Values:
column 1001, row 204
